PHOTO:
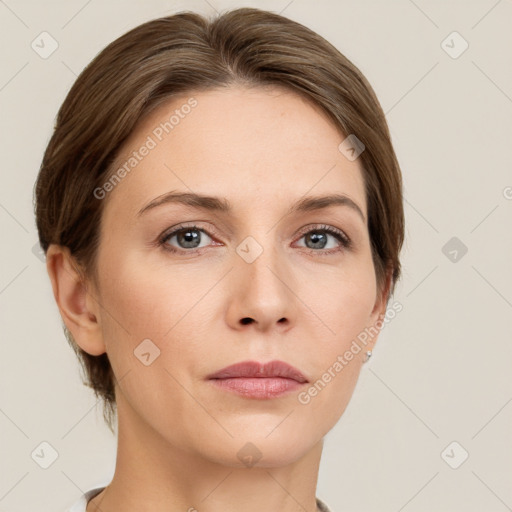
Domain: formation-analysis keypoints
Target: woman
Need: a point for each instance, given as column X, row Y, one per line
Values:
column 221, row 209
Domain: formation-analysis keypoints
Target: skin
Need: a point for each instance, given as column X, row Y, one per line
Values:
column 261, row 149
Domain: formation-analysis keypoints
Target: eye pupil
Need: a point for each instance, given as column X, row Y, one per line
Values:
column 189, row 237
column 316, row 237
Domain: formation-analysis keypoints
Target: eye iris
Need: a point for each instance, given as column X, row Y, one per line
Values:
column 315, row 237
column 189, row 237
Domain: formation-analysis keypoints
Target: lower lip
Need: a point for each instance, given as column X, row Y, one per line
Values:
column 258, row 387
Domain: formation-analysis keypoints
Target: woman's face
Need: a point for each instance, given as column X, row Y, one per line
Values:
column 257, row 278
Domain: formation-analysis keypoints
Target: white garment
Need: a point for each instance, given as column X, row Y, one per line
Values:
column 81, row 504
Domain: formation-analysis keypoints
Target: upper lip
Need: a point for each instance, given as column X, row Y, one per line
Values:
column 263, row 370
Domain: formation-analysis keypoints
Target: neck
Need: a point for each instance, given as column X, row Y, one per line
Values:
column 154, row 474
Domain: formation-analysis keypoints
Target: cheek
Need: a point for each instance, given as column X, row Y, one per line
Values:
column 144, row 301
column 144, row 320
column 344, row 300
column 344, row 304
column 337, row 358
column 130, row 314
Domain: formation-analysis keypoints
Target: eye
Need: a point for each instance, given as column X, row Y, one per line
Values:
column 317, row 239
column 186, row 237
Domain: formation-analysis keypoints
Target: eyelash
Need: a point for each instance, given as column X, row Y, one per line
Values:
column 345, row 242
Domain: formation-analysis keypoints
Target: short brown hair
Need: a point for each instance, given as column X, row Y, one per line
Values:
column 186, row 52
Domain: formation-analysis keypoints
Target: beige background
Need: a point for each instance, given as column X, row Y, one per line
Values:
column 441, row 371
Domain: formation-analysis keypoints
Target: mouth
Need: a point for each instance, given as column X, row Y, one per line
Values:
column 252, row 379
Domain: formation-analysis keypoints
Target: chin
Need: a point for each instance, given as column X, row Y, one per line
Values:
column 257, row 451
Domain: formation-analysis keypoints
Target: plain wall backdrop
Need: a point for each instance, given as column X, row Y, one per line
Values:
column 428, row 427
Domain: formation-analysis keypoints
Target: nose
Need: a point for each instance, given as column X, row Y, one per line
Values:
column 261, row 294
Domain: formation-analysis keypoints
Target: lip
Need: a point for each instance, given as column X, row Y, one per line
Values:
column 252, row 379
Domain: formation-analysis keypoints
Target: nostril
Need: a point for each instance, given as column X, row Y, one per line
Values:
column 246, row 320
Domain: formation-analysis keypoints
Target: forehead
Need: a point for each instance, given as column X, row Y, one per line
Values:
column 249, row 144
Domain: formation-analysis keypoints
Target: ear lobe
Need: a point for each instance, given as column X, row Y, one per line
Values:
column 78, row 308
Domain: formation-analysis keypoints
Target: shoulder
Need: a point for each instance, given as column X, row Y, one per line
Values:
column 322, row 506
column 81, row 504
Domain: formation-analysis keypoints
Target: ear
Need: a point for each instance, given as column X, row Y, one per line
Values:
column 78, row 307
column 379, row 310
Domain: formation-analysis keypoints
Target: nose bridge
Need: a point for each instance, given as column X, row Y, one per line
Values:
column 260, row 259
column 263, row 288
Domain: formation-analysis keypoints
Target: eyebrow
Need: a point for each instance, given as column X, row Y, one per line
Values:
column 210, row 203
